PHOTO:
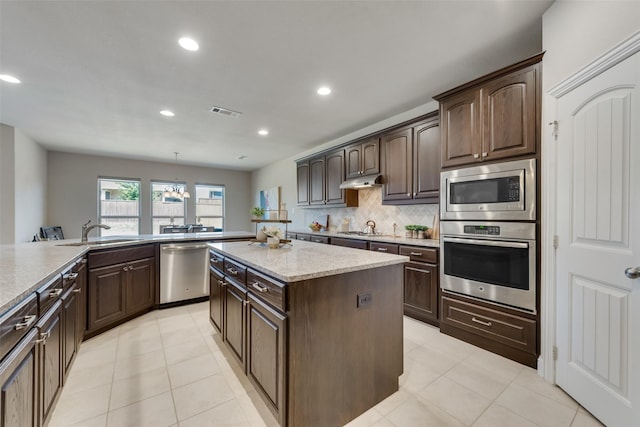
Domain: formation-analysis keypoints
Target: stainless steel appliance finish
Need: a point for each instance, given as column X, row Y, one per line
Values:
column 494, row 261
column 498, row 191
column 184, row 271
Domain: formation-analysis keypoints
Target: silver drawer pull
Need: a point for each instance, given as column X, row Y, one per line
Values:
column 383, row 249
column 259, row 287
column 43, row 337
column 70, row 276
column 416, row 253
column 77, row 291
column 473, row 319
column 317, row 240
column 55, row 293
column 28, row 321
column 232, row 271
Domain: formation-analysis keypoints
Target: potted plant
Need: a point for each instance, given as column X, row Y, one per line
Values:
column 421, row 230
column 257, row 212
column 409, row 233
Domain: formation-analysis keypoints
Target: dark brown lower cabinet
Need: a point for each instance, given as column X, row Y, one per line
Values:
column 421, row 292
column 19, row 385
column 216, row 289
column 140, row 287
column 50, row 363
column 234, row 320
column 106, row 296
column 266, row 354
column 70, row 310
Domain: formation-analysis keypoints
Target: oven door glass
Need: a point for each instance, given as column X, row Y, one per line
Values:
column 498, row 263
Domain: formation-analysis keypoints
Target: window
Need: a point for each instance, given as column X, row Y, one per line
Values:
column 210, row 206
column 167, row 208
column 119, row 206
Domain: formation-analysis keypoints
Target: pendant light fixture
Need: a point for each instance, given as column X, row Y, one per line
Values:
column 176, row 190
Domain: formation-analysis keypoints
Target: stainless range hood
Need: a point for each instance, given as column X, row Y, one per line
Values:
column 362, row 182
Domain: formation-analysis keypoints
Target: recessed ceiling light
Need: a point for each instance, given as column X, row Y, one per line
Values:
column 167, row 113
column 9, row 79
column 263, row 132
column 188, row 44
column 324, row 90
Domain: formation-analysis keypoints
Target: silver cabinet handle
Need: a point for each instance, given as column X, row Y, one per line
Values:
column 28, row 321
column 415, row 253
column 76, row 290
column 476, row 156
column 488, row 324
column 632, row 272
column 259, row 287
column 383, row 249
column 43, row 337
column 55, row 293
column 485, row 154
column 501, row 244
column 70, row 276
column 233, row 271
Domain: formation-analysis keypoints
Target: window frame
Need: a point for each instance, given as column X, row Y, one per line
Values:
column 102, row 217
column 224, row 202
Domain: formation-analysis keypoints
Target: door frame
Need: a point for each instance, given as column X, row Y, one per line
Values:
column 617, row 54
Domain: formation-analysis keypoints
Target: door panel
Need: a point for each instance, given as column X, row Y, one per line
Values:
column 598, row 223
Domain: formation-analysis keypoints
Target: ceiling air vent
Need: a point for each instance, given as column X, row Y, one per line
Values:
column 225, row 112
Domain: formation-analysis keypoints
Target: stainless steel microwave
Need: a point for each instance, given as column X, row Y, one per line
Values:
column 498, row 191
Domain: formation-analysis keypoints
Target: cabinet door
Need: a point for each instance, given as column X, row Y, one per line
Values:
column 352, row 155
column 316, row 181
column 216, row 289
column 510, row 115
column 234, row 320
column 461, row 129
column 50, row 364
column 140, row 287
column 370, row 158
column 303, row 183
column 426, row 162
column 18, row 379
column 396, row 165
column 81, row 290
column 334, row 177
column 106, row 295
column 421, row 291
column 266, row 355
column 70, row 309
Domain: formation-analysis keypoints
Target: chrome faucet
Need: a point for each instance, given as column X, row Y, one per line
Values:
column 86, row 228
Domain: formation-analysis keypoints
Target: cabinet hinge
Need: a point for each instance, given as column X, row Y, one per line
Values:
column 555, row 241
column 555, row 352
column 554, row 131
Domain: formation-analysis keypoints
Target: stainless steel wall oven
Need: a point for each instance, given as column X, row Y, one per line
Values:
column 495, row 261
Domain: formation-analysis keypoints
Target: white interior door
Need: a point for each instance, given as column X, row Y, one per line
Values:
column 598, row 228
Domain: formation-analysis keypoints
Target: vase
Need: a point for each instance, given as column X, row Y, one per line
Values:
column 273, row 242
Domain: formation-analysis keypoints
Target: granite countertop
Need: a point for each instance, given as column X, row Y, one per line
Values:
column 26, row 266
column 305, row 260
column 401, row 240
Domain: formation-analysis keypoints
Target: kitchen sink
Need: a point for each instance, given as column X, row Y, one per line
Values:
column 97, row 242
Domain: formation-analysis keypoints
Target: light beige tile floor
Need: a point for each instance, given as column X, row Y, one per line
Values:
column 169, row 368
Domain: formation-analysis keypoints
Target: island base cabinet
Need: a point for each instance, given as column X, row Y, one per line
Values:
column 234, row 321
column 266, row 355
column 216, row 286
column 18, row 379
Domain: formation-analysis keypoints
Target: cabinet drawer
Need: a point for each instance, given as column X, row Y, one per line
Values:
column 318, row 239
column 349, row 243
column 217, row 261
column 507, row 329
column 267, row 289
column 304, row 237
column 16, row 322
column 70, row 275
column 420, row 254
column 236, row 271
column 291, row 236
column 387, row 248
column 49, row 293
column 117, row 256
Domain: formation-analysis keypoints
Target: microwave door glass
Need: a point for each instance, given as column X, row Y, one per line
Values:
column 496, row 190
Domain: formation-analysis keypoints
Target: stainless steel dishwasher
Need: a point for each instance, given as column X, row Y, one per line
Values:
column 184, row 271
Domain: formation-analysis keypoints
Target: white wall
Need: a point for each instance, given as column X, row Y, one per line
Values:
column 31, row 187
column 73, row 181
column 7, row 187
column 283, row 172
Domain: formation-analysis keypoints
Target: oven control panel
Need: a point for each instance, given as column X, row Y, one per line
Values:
column 483, row 230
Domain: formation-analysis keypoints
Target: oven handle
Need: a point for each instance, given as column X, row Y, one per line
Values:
column 501, row 243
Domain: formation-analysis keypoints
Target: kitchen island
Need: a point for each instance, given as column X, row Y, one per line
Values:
column 317, row 329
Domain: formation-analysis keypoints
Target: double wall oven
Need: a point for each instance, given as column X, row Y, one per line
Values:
column 488, row 233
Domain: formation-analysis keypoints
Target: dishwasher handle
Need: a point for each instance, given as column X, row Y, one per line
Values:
column 183, row 248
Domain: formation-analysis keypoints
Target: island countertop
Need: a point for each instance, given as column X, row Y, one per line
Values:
column 305, row 260
column 26, row 266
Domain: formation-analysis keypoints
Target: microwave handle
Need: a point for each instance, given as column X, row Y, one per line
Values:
column 502, row 243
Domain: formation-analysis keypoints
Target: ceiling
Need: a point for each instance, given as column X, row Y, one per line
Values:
column 95, row 74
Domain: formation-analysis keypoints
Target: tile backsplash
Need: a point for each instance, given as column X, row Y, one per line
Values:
column 370, row 207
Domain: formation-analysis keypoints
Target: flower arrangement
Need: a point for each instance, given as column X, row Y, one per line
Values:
column 272, row 231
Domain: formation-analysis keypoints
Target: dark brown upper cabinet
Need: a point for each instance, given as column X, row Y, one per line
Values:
column 303, row 183
column 410, row 163
column 363, row 158
column 493, row 117
column 324, row 174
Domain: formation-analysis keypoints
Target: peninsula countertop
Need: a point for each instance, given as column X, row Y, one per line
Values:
column 26, row 266
column 305, row 260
